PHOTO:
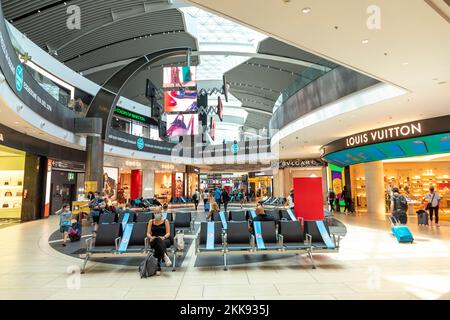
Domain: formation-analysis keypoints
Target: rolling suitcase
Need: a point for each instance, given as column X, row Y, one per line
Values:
column 401, row 232
column 422, row 217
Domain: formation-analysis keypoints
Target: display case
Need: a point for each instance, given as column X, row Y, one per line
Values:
column 11, row 193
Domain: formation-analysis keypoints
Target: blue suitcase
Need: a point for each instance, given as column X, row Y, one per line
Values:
column 401, row 232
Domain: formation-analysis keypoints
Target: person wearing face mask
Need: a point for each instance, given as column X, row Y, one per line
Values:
column 65, row 221
column 158, row 231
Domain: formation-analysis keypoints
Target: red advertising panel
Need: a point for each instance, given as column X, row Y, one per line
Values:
column 136, row 184
column 308, row 198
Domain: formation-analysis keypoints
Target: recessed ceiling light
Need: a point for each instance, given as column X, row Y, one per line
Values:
column 405, row 63
column 306, row 10
column 365, row 41
column 16, row 122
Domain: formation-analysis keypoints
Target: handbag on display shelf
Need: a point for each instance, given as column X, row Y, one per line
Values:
column 18, row 193
column 6, row 183
column 19, row 183
column 5, row 205
column 8, row 194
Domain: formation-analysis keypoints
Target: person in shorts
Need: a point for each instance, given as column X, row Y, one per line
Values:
column 65, row 221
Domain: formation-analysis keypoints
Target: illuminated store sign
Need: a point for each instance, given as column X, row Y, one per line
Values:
column 387, row 134
column 403, row 131
column 130, row 115
column 297, row 163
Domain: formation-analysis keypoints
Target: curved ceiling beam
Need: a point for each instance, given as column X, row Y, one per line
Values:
column 105, row 101
column 222, row 53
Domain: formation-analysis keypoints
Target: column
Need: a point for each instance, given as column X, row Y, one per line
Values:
column 34, row 182
column 148, row 184
column 94, row 160
column 278, row 183
column 375, row 187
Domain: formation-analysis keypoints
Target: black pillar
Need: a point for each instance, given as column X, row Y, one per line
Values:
column 35, row 176
column 348, row 179
column 94, row 160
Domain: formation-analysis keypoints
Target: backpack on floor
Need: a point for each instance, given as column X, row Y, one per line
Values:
column 148, row 267
column 75, row 232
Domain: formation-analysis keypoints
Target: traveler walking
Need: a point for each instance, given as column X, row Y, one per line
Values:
column 399, row 206
column 196, row 198
column 225, row 199
column 331, row 199
column 65, row 221
column 433, row 199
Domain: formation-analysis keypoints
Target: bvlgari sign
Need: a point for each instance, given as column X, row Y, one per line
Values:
column 419, row 128
column 385, row 134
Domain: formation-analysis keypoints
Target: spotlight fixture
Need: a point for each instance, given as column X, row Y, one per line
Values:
column 306, row 10
column 365, row 41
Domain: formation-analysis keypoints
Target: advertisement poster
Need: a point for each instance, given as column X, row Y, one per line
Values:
column 336, row 175
column 179, row 184
column 179, row 77
column 180, row 101
column 110, row 179
column 182, row 125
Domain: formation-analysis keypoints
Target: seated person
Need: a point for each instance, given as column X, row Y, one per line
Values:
column 158, row 231
column 260, row 216
column 214, row 209
column 165, row 210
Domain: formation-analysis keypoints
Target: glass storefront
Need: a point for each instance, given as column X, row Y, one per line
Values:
column 413, row 176
column 163, row 186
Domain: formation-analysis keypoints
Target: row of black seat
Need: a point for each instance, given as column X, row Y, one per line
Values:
column 109, row 238
column 245, row 215
column 180, row 219
column 284, row 237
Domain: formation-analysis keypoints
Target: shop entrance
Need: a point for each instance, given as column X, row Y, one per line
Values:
column 413, row 176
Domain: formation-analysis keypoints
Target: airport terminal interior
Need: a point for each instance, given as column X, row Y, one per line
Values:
column 225, row 150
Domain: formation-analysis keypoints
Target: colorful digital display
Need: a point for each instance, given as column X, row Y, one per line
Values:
column 179, row 77
column 180, row 101
column 182, row 124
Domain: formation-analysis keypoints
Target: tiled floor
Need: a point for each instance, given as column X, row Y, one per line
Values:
column 370, row 265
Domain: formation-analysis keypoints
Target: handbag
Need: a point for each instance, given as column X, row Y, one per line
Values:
column 5, row 205
column 430, row 204
column 8, row 194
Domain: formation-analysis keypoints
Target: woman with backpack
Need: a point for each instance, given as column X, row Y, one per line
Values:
column 399, row 206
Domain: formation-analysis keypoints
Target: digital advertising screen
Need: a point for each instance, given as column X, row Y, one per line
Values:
column 180, row 101
column 182, row 124
column 179, row 77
